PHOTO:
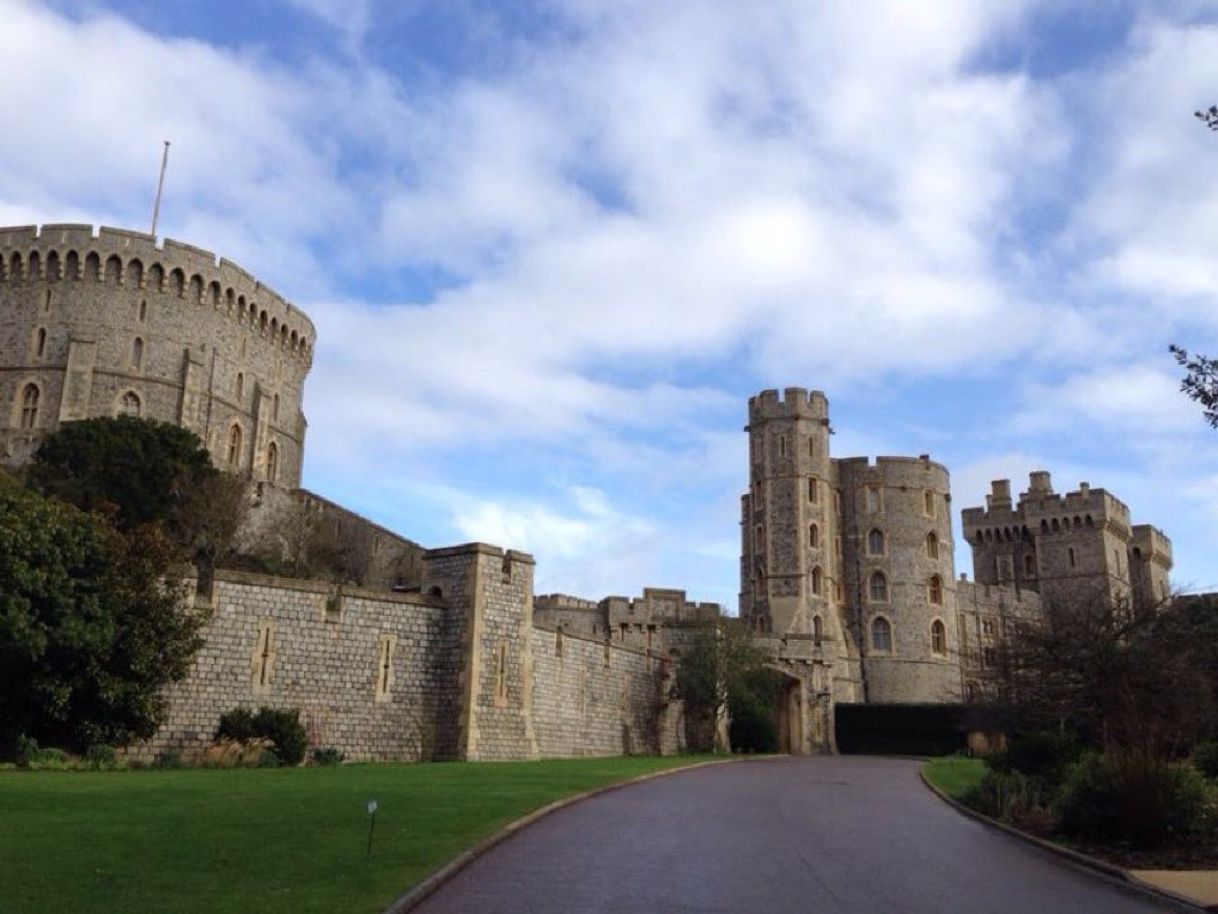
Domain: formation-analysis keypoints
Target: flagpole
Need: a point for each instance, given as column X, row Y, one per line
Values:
column 160, row 185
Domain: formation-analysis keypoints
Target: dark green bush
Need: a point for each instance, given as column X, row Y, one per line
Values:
column 1205, row 758
column 1134, row 798
column 327, row 756
column 1046, row 756
column 268, row 759
column 281, row 727
column 237, row 724
column 1010, row 796
column 101, row 757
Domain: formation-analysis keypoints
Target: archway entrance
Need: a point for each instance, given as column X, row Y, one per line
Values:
column 789, row 711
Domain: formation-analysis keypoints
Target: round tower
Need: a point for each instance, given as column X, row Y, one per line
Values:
column 900, row 577
column 109, row 323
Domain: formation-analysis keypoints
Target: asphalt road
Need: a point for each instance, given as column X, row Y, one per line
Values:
column 819, row 835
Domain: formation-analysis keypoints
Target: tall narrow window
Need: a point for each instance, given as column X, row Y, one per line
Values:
column 143, row 315
column 782, row 445
column 1070, row 555
column 234, row 446
column 46, row 302
column 137, row 354
column 501, row 691
column 811, row 446
column 875, row 503
column 130, row 404
column 558, row 641
column 935, row 590
column 881, row 635
column 758, row 538
column 814, row 536
column 813, row 493
column 818, row 629
column 875, row 542
column 272, row 461
column 816, row 581
column 928, row 503
column 40, row 343
column 877, row 586
column 384, row 667
column 275, row 408
column 240, row 386
column 262, row 663
column 29, row 406
column 932, row 545
column 1029, row 566
column 938, row 638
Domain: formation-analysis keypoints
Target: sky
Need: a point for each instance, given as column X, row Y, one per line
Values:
column 552, row 246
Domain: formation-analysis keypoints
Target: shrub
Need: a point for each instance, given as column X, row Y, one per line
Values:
column 237, row 724
column 101, row 757
column 1046, row 756
column 52, row 760
column 1134, row 798
column 327, row 756
column 1205, row 758
column 282, row 727
column 268, row 759
column 1010, row 796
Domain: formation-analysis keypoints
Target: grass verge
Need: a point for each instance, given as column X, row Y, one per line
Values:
column 262, row 840
column 954, row 775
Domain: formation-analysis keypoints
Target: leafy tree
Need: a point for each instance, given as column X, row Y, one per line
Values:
column 137, row 468
column 143, row 472
column 724, row 672
column 90, row 630
column 1201, row 381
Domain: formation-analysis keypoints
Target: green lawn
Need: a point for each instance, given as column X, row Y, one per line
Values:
column 260, row 840
column 954, row 775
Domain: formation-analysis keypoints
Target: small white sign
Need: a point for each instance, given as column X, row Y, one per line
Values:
column 371, row 807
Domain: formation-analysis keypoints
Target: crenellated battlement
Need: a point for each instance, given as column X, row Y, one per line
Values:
column 796, row 403
column 77, row 253
column 1040, row 509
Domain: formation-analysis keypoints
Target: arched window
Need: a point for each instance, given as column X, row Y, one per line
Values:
column 932, row 545
column 40, row 343
column 1029, row 566
column 877, row 586
column 816, row 580
column 137, row 354
column 240, row 386
column 875, row 542
column 814, row 536
column 935, row 590
column 29, row 406
column 938, row 638
column 272, row 462
column 881, row 635
column 818, row 629
column 143, row 311
column 234, row 446
column 129, row 405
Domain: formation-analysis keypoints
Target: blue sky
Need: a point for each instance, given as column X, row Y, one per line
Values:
column 551, row 248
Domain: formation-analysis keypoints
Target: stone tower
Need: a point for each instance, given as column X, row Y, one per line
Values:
column 98, row 324
column 1068, row 548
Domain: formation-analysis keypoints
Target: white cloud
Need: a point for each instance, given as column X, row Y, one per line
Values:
column 1126, row 400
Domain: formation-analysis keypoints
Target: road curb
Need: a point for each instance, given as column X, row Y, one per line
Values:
column 412, row 897
column 1111, row 870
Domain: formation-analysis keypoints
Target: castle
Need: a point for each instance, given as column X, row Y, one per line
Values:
column 846, row 570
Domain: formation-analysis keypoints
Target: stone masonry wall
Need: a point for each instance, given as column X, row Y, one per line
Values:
column 295, row 644
column 595, row 698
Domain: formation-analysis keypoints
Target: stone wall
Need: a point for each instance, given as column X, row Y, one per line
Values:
column 373, row 674
column 598, row 698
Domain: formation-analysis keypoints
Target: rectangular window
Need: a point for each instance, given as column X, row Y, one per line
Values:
column 813, row 491
column 875, row 500
column 928, row 503
column 501, row 689
column 758, row 538
column 782, row 445
column 384, row 667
